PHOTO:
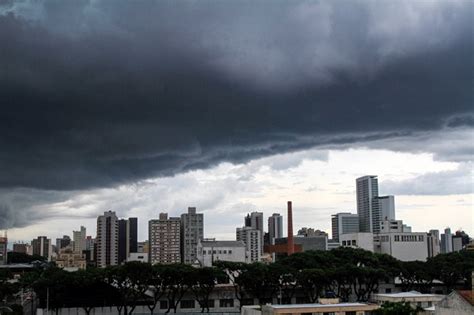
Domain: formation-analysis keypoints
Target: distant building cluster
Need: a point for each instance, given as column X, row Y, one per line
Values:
column 181, row 239
column 375, row 228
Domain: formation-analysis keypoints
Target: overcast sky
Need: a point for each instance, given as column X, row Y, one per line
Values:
column 144, row 107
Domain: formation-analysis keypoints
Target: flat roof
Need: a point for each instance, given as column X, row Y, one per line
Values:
column 318, row 305
column 410, row 294
column 222, row 244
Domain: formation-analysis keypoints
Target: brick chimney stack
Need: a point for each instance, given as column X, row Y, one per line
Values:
column 290, row 241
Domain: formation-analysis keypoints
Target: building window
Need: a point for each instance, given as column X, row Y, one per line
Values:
column 210, row 303
column 230, row 251
column 226, row 303
column 187, row 304
column 397, row 238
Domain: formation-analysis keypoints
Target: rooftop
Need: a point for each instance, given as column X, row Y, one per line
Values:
column 410, row 294
column 222, row 244
column 467, row 295
column 317, row 305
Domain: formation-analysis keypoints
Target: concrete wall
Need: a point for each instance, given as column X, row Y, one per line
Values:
column 404, row 250
column 362, row 240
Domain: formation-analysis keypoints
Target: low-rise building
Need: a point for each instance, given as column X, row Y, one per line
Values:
column 456, row 303
column 210, row 250
column 317, row 308
column 141, row 257
column 332, row 244
column 415, row 298
column 70, row 260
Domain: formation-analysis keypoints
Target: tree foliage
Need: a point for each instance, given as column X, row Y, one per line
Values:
column 347, row 273
column 398, row 308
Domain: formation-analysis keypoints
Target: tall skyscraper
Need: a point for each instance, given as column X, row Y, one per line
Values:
column 42, row 246
column 192, row 230
column 79, row 238
column 344, row 223
column 3, row 249
column 255, row 221
column 127, row 238
column 164, row 240
column 367, row 204
column 122, row 240
column 275, row 227
column 433, row 243
column 133, row 235
column 457, row 243
column 247, row 220
column 89, row 251
column 252, row 239
column 446, row 241
column 106, row 246
column 372, row 208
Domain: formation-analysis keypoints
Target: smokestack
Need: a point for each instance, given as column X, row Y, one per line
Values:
column 290, row 241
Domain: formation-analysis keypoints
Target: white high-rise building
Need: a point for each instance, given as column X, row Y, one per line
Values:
column 252, row 239
column 107, row 239
column 433, row 243
column 164, row 236
column 275, row 227
column 386, row 207
column 344, row 223
column 79, row 238
column 372, row 208
column 367, row 204
column 447, row 241
column 192, row 231
column 255, row 221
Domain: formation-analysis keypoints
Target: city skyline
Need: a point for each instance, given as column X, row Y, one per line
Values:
column 143, row 227
column 253, row 105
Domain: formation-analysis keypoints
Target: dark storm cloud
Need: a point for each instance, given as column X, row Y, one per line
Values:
column 104, row 92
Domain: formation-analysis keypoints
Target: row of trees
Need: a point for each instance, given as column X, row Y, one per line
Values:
column 350, row 274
